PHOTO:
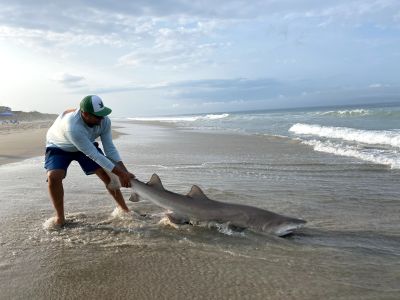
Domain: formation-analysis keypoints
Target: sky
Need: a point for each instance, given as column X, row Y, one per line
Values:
column 172, row 57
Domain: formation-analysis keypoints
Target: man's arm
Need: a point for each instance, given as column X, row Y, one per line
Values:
column 106, row 140
column 111, row 151
column 121, row 164
column 83, row 144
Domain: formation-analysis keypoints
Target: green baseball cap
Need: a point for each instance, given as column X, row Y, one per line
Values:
column 94, row 105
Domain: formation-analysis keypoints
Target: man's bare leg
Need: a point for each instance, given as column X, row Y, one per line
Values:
column 56, row 192
column 116, row 194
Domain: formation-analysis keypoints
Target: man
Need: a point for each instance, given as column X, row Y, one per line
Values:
column 72, row 137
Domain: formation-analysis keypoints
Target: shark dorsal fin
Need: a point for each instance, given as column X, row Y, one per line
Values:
column 197, row 193
column 155, row 181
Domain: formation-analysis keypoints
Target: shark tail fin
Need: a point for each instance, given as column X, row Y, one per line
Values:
column 197, row 193
column 155, row 181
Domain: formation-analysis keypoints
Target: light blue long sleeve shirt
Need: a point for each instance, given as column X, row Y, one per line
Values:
column 70, row 133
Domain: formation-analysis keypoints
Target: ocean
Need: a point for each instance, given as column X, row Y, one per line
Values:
column 369, row 133
column 337, row 167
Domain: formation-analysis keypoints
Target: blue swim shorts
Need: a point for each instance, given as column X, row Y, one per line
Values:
column 57, row 158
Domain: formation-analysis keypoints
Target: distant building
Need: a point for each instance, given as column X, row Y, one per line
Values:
column 7, row 116
column 5, row 109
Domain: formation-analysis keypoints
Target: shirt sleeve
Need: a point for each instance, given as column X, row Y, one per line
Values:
column 83, row 144
column 108, row 144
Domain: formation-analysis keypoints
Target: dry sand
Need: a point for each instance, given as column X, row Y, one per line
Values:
column 25, row 140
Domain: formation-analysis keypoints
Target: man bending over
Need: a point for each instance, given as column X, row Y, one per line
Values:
column 72, row 137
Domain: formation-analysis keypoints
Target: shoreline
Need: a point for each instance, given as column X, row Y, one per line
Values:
column 340, row 201
column 27, row 139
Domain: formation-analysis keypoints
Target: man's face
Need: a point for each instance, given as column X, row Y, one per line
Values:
column 92, row 120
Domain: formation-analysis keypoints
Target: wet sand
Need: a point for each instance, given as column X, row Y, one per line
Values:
column 346, row 251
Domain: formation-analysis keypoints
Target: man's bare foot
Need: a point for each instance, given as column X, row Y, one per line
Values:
column 59, row 221
column 53, row 224
column 119, row 212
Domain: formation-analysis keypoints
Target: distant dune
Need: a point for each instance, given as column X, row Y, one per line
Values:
column 26, row 116
column 33, row 116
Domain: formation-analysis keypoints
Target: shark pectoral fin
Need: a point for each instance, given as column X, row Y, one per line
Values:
column 177, row 219
column 197, row 193
column 134, row 197
column 155, row 182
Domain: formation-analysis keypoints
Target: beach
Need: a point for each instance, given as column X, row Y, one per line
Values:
column 24, row 140
column 349, row 248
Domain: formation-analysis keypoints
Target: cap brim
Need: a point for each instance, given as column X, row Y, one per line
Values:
column 104, row 112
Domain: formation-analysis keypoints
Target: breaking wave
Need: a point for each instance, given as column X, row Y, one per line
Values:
column 347, row 113
column 377, row 156
column 374, row 137
column 360, row 112
column 182, row 118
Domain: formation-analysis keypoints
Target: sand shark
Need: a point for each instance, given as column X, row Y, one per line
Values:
column 197, row 207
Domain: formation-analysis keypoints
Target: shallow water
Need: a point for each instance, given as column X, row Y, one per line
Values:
column 349, row 248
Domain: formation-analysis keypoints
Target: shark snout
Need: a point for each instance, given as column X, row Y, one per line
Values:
column 281, row 225
column 285, row 227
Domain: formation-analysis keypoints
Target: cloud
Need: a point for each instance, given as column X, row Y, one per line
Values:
column 375, row 85
column 177, row 34
column 179, row 54
column 70, row 81
column 237, row 89
column 240, row 83
column 120, row 20
column 64, row 12
column 379, row 85
column 223, row 90
column 212, row 90
column 245, row 93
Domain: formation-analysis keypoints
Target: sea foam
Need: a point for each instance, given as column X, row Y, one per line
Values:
column 347, row 113
column 377, row 156
column 374, row 137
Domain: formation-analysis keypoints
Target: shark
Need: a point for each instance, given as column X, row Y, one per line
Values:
column 197, row 207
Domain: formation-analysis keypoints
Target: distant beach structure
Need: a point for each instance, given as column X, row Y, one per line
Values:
column 7, row 116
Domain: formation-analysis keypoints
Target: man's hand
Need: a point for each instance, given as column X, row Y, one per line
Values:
column 123, row 175
column 125, row 179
